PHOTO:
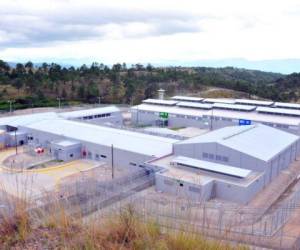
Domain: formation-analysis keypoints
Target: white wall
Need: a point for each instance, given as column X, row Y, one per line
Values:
column 184, row 189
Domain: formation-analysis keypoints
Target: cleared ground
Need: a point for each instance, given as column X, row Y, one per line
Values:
column 34, row 182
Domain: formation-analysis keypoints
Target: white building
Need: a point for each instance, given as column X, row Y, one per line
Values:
column 232, row 163
column 110, row 114
column 100, row 143
column 213, row 115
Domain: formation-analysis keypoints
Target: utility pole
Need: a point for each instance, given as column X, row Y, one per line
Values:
column 10, row 106
column 58, row 99
column 137, row 115
column 16, row 142
column 211, row 118
column 112, row 162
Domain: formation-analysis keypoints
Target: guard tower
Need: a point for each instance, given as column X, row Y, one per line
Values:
column 161, row 94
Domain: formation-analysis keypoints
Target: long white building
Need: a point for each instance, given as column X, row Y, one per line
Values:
column 232, row 163
column 213, row 115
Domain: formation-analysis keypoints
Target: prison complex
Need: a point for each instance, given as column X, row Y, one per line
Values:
column 246, row 145
column 212, row 113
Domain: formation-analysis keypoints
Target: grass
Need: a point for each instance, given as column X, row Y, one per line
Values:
column 56, row 229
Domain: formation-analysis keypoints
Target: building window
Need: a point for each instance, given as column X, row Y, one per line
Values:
column 71, row 155
column 211, row 156
column 218, row 157
column 97, row 156
column 181, row 184
column 205, row 155
column 103, row 156
column 132, row 164
column 225, row 159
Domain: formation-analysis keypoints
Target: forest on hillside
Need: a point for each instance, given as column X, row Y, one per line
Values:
column 40, row 85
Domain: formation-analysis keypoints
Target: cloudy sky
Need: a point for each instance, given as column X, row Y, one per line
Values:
column 156, row 31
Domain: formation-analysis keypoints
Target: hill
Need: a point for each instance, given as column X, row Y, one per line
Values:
column 40, row 85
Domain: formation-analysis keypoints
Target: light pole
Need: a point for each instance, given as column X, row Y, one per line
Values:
column 112, row 162
column 211, row 118
column 58, row 99
column 99, row 100
column 10, row 106
column 16, row 141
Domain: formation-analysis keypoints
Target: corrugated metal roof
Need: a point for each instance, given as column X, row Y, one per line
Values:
column 260, row 141
column 66, row 143
column 219, row 100
column 195, row 105
column 287, row 105
column 89, row 112
column 278, row 111
column 187, row 98
column 22, row 120
column 254, row 102
column 161, row 102
column 122, row 139
column 212, row 167
column 234, row 106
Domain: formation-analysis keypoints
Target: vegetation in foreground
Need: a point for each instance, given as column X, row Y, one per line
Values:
column 58, row 230
column 30, row 85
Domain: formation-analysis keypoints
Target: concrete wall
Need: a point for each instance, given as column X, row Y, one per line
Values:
column 214, row 150
column 68, row 153
column 183, row 188
column 239, row 193
column 144, row 117
column 20, row 139
column 141, row 117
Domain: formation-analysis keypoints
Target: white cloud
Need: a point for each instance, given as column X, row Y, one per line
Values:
column 149, row 31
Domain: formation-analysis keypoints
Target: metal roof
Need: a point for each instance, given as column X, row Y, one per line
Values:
column 260, row 141
column 212, row 167
column 123, row 139
column 194, row 105
column 187, row 98
column 22, row 120
column 234, row 106
column 161, row 102
column 278, row 111
column 89, row 112
column 287, row 105
column 254, row 102
column 219, row 100
column 67, row 143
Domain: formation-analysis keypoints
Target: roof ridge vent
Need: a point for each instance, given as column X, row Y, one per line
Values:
column 240, row 132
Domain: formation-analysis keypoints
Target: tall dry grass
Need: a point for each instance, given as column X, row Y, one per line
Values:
column 57, row 229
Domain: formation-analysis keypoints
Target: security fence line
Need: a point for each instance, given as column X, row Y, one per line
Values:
column 89, row 195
